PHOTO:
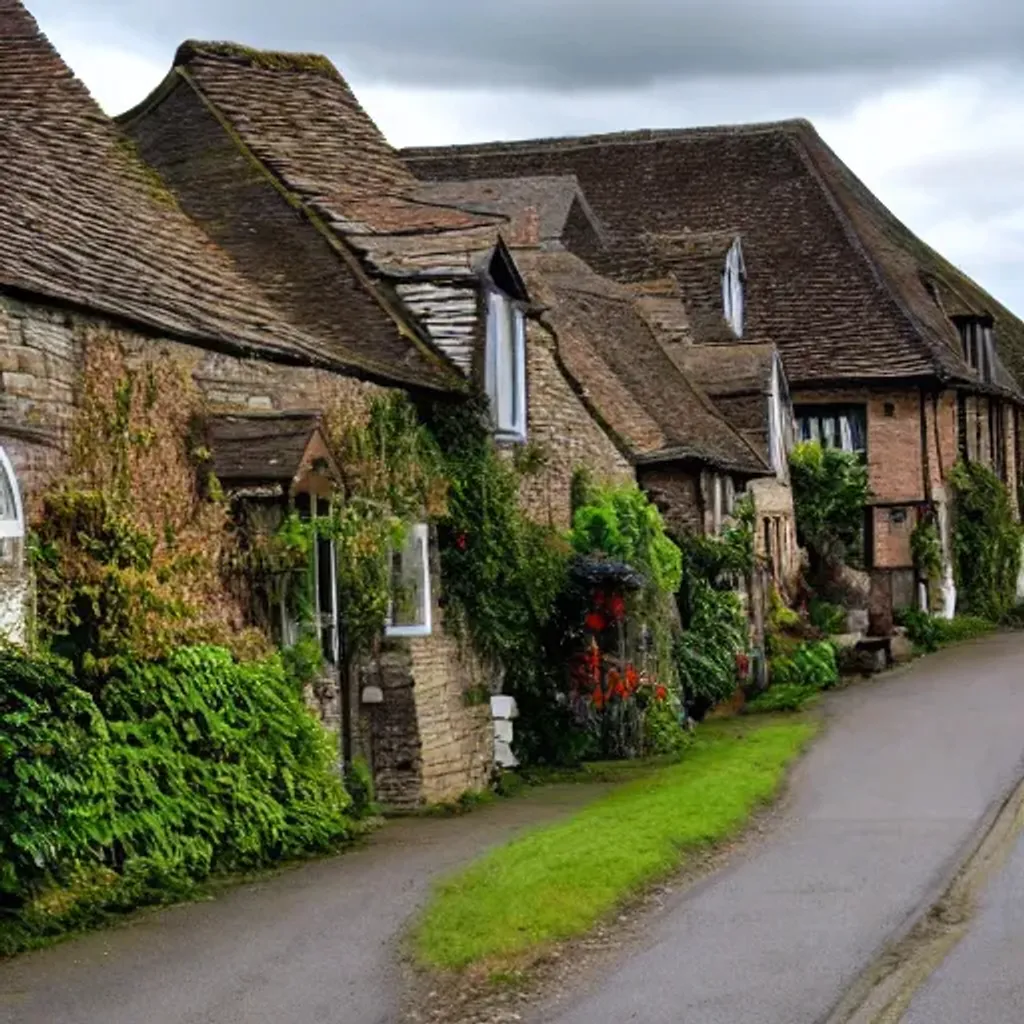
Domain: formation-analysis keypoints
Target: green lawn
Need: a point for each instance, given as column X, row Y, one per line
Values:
column 559, row 880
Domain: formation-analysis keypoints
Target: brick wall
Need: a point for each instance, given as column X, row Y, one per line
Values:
column 558, row 420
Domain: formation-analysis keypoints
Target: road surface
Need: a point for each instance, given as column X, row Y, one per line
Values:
column 878, row 811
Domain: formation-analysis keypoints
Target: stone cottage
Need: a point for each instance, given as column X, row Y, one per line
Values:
column 890, row 351
column 94, row 248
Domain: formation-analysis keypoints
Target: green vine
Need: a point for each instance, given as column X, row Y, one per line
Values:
column 986, row 542
column 926, row 549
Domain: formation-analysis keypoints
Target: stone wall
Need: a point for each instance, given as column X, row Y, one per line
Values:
column 677, row 492
column 559, row 422
column 425, row 743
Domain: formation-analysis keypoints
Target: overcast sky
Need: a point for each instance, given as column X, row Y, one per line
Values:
column 923, row 98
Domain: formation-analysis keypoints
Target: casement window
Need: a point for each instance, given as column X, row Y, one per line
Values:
column 977, row 343
column 321, row 590
column 12, row 518
column 834, row 426
column 505, row 366
column 733, row 279
column 409, row 611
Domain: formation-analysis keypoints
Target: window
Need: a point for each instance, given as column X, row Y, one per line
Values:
column 730, row 496
column 732, row 288
column 977, row 343
column 842, row 427
column 505, row 372
column 12, row 522
column 409, row 613
column 319, row 594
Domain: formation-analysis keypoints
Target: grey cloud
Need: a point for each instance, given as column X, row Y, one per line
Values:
column 587, row 44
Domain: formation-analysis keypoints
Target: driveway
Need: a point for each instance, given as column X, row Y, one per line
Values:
column 877, row 812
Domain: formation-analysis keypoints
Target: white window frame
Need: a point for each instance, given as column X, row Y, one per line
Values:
column 419, row 534
column 732, row 288
column 502, row 310
column 12, row 529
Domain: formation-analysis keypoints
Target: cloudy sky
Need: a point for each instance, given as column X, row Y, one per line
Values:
column 923, row 98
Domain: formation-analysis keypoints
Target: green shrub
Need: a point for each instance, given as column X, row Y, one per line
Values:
column 986, row 542
column 830, row 491
column 923, row 630
column 706, row 652
column 829, row 618
column 55, row 774
column 663, row 733
column 173, row 770
column 929, row 633
column 812, row 664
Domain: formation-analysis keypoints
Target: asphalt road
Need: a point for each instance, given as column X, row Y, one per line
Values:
column 879, row 810
column 311, row 945
column 982, row 981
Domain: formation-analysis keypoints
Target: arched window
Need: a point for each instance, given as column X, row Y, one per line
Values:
column 732, row 288
column 12, row 519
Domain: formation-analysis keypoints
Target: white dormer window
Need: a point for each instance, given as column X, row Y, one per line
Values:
column 506, row 366
column 732, row 288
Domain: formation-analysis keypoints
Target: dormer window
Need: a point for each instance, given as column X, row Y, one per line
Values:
column 977, row 343
column 732, row 288
column 506, row 366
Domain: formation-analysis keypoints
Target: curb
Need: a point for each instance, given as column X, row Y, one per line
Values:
column 883, row 991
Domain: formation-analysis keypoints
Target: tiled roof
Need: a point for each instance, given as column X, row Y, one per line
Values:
column 298, row 119
column 84, row 221
column 613, row 354
column 733, row 369
column 832, row 277
column 540, row 210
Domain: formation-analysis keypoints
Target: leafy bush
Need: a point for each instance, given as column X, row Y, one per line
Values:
column 622, row 523
column 830, row 491
column 55, row 777
column 812, row 664
column 829, row 618
column 706, row 652
column 359, row 783
column 986, row 542
column 170, row 771
column 929, row 633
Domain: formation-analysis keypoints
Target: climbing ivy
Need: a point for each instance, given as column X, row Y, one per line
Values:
column 128, row 555
column 986, row 542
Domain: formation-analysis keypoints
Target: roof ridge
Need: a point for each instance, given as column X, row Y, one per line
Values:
column 283, row 61
column 642, row 135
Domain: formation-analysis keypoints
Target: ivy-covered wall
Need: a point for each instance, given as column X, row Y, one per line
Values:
column 445, row 745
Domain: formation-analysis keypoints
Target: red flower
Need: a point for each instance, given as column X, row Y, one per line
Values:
column 462, row 542
column 632, row 679
column 598, row 598
column 598, row 698
column 660, row 693
column 617, row 607
column 595, row 622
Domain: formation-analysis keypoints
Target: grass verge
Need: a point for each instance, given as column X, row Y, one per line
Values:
column 558, row 881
